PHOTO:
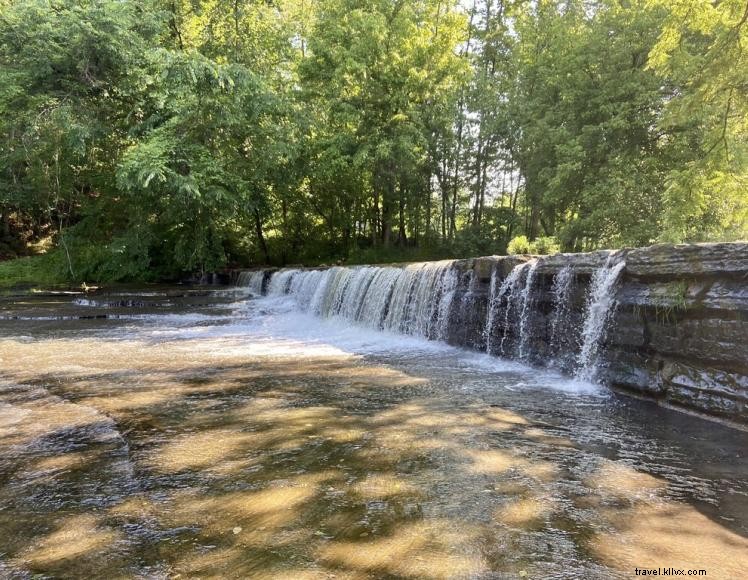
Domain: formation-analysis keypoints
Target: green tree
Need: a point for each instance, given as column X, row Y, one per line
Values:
column 701, row 51
column 377, row 71
column 157, row 138
column 68, row 71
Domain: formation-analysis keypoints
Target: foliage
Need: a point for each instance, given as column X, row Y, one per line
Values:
column 701, row 49
column 519, row 245
column 541, row 246
column 670, row 301
column 545, row 245
column 150, row 139
column 31, row 270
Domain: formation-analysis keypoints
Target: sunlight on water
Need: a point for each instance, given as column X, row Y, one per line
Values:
column 236, row 436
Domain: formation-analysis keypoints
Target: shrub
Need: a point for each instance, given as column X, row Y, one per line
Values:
column 543, row 246
column 32, row 270
column 519, row 245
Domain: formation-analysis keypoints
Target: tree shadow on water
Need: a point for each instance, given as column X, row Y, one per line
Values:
column 170, row 463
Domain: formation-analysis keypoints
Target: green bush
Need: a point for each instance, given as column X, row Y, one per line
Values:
column 545, row 246
column 32, row 270
column 541, row 246
column 519, row 245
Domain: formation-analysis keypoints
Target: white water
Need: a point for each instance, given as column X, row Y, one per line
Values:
column 496, row 294
column 419, row 300
column 511, row 287
column 449, row 282
column 601, row 305
column 413, row 300
column 494, row 299
column 526, row 312
column 252, row 281
column 276, row 328
column 561, row 323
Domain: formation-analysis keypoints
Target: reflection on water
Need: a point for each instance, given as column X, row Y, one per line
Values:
column 198, row 436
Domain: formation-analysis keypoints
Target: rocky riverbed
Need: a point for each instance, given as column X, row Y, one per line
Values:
column 177, row 432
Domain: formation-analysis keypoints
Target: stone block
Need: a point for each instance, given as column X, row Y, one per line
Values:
column 688, row 259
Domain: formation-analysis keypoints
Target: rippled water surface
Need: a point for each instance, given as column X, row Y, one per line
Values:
column 181, row 433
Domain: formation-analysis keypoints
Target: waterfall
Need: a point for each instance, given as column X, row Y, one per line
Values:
column 351, row 295
column 496, row 295
column 561, row 328
column 448, row 286
column 413, row 309
column 465, row 311
column 280, row 282
column 341, row 285
column 514, row 289
column 252, row 281
column 438, row 301
column 494, row 300
column 526, row 312
column 601, row 304
column 415, row 299
column 375, row 300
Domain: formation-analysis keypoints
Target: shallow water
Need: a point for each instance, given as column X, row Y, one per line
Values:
column 173, row 432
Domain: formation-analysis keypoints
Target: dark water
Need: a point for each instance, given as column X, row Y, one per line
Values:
column 183, row 433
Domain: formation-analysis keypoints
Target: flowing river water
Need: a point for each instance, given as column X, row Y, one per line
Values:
column 196, row 433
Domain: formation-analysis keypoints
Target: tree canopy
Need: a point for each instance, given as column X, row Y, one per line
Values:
column 152, row 138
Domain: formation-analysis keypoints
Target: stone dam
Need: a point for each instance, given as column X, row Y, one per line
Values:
column 667, row 322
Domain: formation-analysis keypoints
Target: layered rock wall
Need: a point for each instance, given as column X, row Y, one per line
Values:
column 679, row 333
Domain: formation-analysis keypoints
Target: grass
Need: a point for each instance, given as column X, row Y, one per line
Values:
column 31, row 271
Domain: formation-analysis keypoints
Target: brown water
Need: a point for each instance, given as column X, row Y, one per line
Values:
column 183, row 436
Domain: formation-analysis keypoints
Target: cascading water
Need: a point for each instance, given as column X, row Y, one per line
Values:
column 252, row 281
column 465, row 309
column 514, row 289
column 416, row 299
column 280, row 282
column 371, row 304
column 601, row 304
column 561, row 328
column 422, row 300
column 509, row 287
column 526, row 312
column 424, row 311
column 448, row 287
column 494, row 299
column 335, row 305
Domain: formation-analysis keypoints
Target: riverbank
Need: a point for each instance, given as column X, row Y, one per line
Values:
column 29, row 272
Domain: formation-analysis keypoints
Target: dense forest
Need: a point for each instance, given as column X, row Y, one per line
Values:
column 145, row 139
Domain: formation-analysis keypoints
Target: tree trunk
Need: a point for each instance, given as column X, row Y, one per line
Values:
column 286, row 233
column 387, row 204
column 375, row 218
column 427, row 231
column 261, row 237
column 386, row 224
column 460, row 130
column 478, row 180
column 444, row 190
column 402, row 238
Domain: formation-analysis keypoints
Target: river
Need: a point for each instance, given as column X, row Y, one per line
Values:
column 177, row 432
